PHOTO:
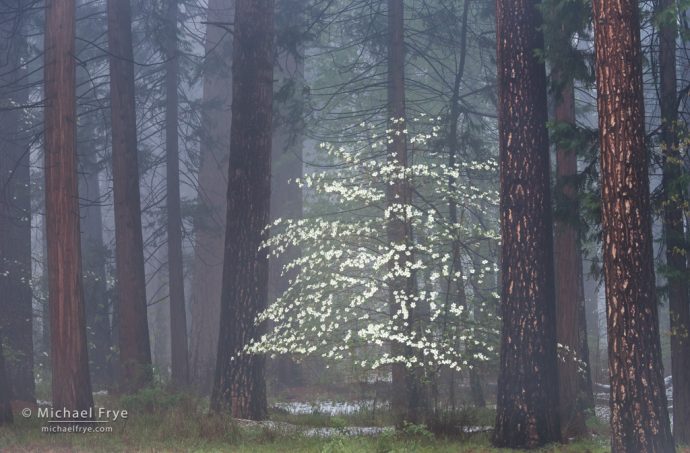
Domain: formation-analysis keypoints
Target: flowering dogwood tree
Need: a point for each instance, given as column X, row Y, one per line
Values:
column 337, row 305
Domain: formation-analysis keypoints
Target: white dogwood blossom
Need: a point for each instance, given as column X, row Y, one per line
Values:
column 338, row 302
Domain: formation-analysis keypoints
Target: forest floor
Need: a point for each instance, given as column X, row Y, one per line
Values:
column 159, row 421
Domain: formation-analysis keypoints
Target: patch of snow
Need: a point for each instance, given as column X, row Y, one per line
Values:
column 327, row 407
column 348, row 431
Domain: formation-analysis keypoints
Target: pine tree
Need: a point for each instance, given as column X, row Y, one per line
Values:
column 239, row 384
column 70, row 367
column 674, row 235
column 209, row 226
column 527, row 400
column 639, row 416
column 133, row 338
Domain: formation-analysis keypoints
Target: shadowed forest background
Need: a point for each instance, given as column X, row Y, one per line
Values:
column 345, row 225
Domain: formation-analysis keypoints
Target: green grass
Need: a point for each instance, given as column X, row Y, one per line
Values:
column 161, row 421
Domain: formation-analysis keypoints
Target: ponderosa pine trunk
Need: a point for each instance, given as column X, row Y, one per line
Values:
column 15, row 213
column 70, row 365
column 527, row 412
column 178, row 314
column 570, row 291
column 209, row 226
column 674, row 233
column 407, row 403
column 639, row 416
column 133, row 337
column 239, row 384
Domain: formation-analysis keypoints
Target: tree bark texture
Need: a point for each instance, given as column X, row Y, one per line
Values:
column 639, row 416
column 70, row 366
column 209, row 226
column 570, row 291
column 133, row 338
column 15, row 215
column 239, row 384
column 178, row 314
column 527, row 399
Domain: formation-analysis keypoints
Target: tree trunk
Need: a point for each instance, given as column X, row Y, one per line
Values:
column 178, row 316
column 527, row 400
column 133, row 338
column 674, row 232
column 639, row 416
column 70, row 365
column 239, row 384
column 95, row 291
column 407, row 404
column 15, row 216
column 570, row 291
column 209, row 226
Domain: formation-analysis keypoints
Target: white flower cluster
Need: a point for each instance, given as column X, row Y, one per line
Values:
column 339, row 303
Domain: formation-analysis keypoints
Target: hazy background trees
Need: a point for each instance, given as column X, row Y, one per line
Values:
column 137, row 182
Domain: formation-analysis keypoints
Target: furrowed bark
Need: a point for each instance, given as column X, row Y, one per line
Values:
column 639, row 416
column 239, row 384
column 527, row 400
column 70, row 367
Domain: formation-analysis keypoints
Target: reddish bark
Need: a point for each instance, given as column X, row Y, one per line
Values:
column 527, row 412
column 70, row 367
column 639, row 416
column 133, row 337
column 570, row 294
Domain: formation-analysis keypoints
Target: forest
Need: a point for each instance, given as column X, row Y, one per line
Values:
column 345, row 226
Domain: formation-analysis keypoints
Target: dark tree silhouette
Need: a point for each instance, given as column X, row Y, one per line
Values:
column 178, row 316
column 674, row 235
column 407, row 400
column 209, row 227
column 639, row 417
column 527, row 400
column 239, row 384
column 70, row 378
column 135, row 350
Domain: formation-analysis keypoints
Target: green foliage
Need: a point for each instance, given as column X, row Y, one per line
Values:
column 566, row 22
column 155, row 399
